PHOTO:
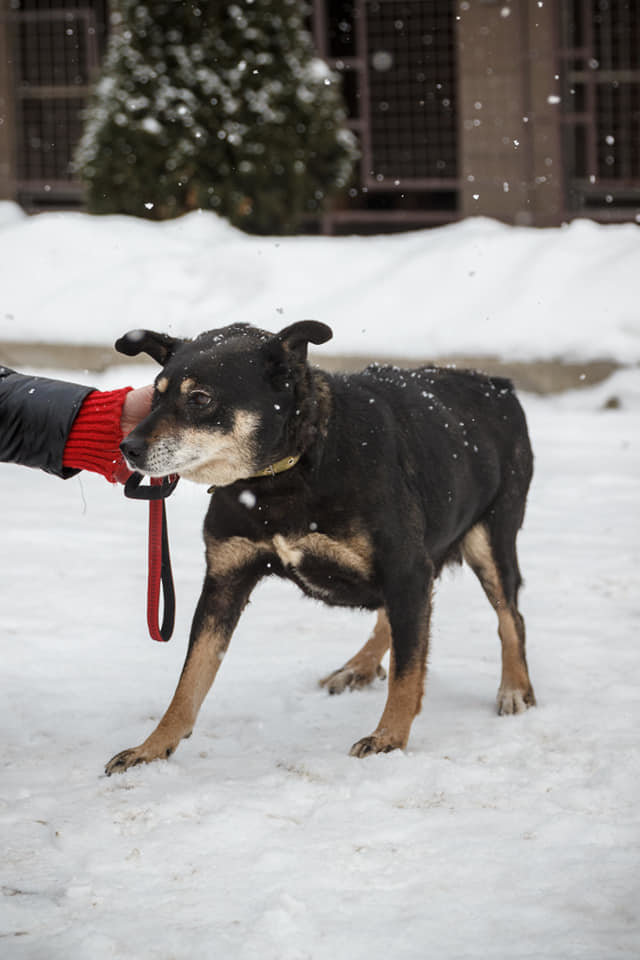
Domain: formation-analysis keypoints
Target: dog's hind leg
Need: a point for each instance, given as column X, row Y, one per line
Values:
column 491, row 554
column 226, row 590
column 408, row 609
column 363, row 668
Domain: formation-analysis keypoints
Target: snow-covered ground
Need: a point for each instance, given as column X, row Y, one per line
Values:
column 472, row 288
column 503, row 838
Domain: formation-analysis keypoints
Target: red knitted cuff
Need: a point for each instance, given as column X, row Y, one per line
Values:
column 94, row 440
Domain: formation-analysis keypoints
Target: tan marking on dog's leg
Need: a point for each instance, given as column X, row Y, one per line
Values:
column 476, row 550
column 515, row 693
column 221, row 602
column 197, row 676
column 403, row 704
column 364, row 666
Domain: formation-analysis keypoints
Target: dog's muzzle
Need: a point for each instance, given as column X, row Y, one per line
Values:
column 134, row 451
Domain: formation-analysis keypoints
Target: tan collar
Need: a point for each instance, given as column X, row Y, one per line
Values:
column 278, row 467
column 274, row 468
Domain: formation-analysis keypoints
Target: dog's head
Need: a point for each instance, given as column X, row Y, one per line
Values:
column 225, row 405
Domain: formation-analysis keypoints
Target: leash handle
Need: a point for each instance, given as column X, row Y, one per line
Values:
column 160, row 574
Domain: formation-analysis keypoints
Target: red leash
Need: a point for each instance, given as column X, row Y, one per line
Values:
column 160, row 575
column 157, row 527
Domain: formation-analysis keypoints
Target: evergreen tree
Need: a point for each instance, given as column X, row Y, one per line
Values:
column 217, row 105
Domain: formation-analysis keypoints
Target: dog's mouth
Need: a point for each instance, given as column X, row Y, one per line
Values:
column 218, row 470
column 155, row 460
column 153, row 465
column 217, row 457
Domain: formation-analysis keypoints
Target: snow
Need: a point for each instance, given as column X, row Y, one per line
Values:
column 261, row 839
column 477, row 287
column 489, row 838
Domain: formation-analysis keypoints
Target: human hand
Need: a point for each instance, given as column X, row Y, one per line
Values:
column 137, row 405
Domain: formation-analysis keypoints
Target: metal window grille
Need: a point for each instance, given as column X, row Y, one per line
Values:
column 410, row 76
column 398, row 64
column 600, row 46
column 55, row 58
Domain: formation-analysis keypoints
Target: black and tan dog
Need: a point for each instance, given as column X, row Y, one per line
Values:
column 359, row 488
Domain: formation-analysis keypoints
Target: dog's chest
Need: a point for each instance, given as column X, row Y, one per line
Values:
column 338, row 571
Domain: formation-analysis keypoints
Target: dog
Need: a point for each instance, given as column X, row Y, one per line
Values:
column 358, row 487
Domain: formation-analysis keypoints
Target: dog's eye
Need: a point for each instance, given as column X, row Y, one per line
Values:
column 199, row 398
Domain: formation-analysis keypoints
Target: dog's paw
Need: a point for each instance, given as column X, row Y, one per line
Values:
column 131, row 758
column 351, row 678
column 376, row 743
column 510, row 701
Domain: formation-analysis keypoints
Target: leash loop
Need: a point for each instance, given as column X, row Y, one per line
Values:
column 160, row 574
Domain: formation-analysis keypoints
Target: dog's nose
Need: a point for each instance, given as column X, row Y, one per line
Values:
column 133, row 449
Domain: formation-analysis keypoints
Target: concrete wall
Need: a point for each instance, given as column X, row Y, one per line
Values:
column 510, row 145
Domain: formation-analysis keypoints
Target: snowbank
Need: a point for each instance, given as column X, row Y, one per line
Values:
column 476, row 287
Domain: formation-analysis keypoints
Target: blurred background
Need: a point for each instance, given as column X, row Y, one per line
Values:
column 528, row 112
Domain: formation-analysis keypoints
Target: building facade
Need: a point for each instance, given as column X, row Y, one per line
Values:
column 524, row 110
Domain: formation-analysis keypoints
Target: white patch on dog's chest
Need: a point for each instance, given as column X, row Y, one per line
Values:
column 290, row 555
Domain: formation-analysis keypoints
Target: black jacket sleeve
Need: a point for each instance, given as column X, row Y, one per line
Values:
column 36, row 415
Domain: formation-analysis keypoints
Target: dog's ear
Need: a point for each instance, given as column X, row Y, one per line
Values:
column 160, row 346
column 296, row 338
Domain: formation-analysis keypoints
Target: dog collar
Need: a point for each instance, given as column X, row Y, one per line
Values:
column 280, row 466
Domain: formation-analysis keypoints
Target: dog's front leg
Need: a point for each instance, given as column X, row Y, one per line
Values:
column 364, row 666
column 224, row 596
column 408, row 609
